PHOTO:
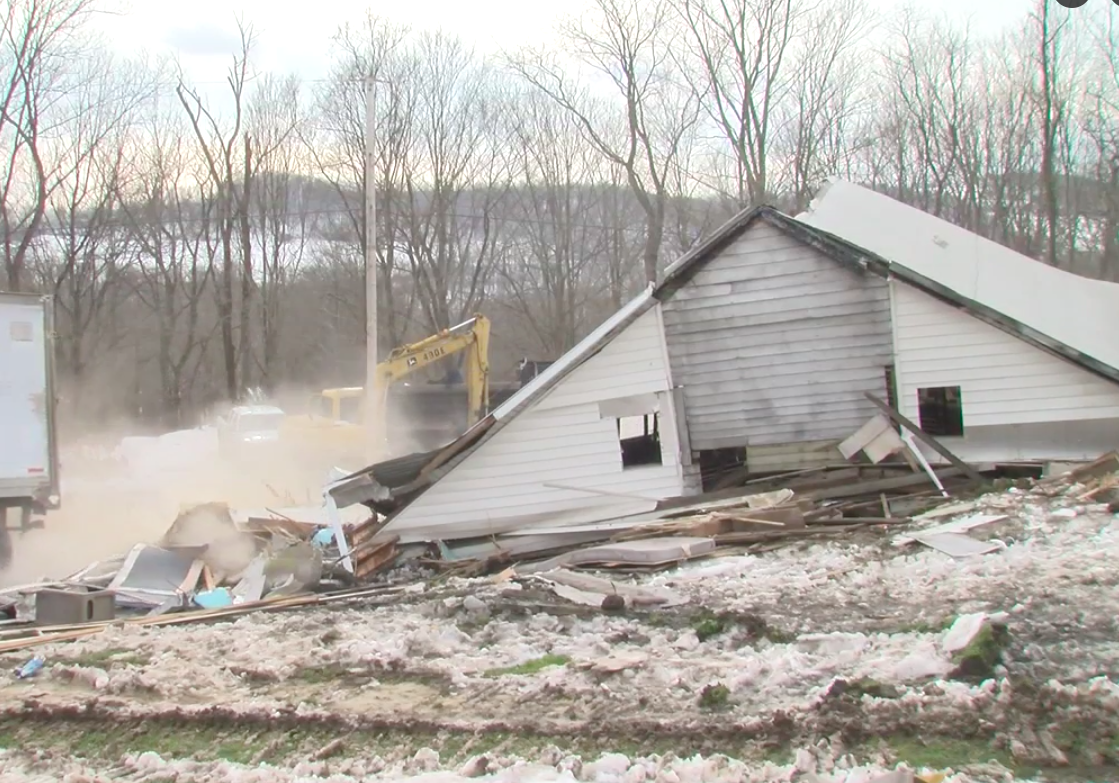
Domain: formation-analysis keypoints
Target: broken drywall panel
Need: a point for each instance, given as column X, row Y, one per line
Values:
column 643, row 552
column 957, row 545
column 961, row 525
column 592, row 590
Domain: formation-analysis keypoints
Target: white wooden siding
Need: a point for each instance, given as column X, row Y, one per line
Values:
column 774, row 343
column 793, row 456
column 635, row 366
column 561, row 439
column 1003, row 380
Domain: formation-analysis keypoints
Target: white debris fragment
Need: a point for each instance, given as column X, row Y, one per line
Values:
column 963, row 630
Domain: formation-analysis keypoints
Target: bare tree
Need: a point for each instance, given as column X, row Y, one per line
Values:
column 280, row 217
column 380, row 50
column 628, row 43
column 457, row 175
column 229, row 165
column 742, row 50
column 558, row 233
column 817, row 123
column 173, row 242
column 38, row 44
column 1101, row 125
column 1053, row 110
column 84, row 244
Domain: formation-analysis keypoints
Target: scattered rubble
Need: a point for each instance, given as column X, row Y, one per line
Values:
column 765, row 616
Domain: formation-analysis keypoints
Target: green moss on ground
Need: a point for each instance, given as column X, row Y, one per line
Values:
column 530, row 667
column 714, row 696
column 977, row 661
column 940, row 753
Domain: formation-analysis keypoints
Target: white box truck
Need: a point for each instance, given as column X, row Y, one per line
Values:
column 28, row 437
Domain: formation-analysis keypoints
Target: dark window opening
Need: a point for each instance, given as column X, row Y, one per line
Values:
column 721, row 468
column 640, row 440
column 941, row 412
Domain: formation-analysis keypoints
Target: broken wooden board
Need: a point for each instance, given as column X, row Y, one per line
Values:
column 876, row 439
column 872, row 488
column 371, row 557
column 925, row 438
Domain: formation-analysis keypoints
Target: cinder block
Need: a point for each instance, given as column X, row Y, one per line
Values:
column 78, row 605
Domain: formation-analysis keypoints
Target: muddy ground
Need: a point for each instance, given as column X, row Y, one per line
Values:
column 821, row 659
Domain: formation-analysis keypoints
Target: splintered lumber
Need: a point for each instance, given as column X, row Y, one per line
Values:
column 925, row 438
column 372, row 556
column 841, row 521
column 1096, row 469
column 872, row 488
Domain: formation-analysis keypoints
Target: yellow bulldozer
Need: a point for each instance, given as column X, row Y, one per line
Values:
column 412, row 417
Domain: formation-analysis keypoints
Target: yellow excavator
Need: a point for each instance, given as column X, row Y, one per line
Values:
column 335, row 427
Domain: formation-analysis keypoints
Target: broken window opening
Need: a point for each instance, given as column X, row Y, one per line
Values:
column 640, row 440
column 940, row 411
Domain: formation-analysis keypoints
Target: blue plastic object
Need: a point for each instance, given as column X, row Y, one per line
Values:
column 31, row 668
column 214, row 599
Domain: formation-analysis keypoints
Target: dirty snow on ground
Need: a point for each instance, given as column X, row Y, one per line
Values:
column 856, row 611
column 845, row 609
column 424, row 767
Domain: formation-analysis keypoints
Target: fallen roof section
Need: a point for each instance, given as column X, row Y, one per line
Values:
column 1054, row 305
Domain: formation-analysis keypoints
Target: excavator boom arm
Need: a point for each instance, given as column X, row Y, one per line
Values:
column 472, row 336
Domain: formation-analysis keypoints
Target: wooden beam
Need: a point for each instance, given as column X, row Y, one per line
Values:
column 925, row 438
column 872, row 488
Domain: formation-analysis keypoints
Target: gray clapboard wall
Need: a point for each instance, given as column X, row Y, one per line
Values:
column 775, row 343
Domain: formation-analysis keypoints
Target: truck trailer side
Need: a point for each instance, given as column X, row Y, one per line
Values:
column 29, row 476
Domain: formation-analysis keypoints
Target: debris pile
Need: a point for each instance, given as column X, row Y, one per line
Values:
column 210, row 563
column 216, row 563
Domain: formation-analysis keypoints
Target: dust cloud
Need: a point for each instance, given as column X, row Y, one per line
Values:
column 126, row 484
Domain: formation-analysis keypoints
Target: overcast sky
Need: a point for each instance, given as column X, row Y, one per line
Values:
column 294, row 36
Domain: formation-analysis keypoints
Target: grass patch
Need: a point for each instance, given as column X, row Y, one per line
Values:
column 714, row 696
column 864, row 686
column 105, row 659
column 749, row 628
column 531, row 667
column 941, row 753
column 927, row 626
column 320, row 675
column 89, row 740
column 708, row 625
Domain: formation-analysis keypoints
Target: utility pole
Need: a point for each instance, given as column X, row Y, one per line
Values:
column 373, row 417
